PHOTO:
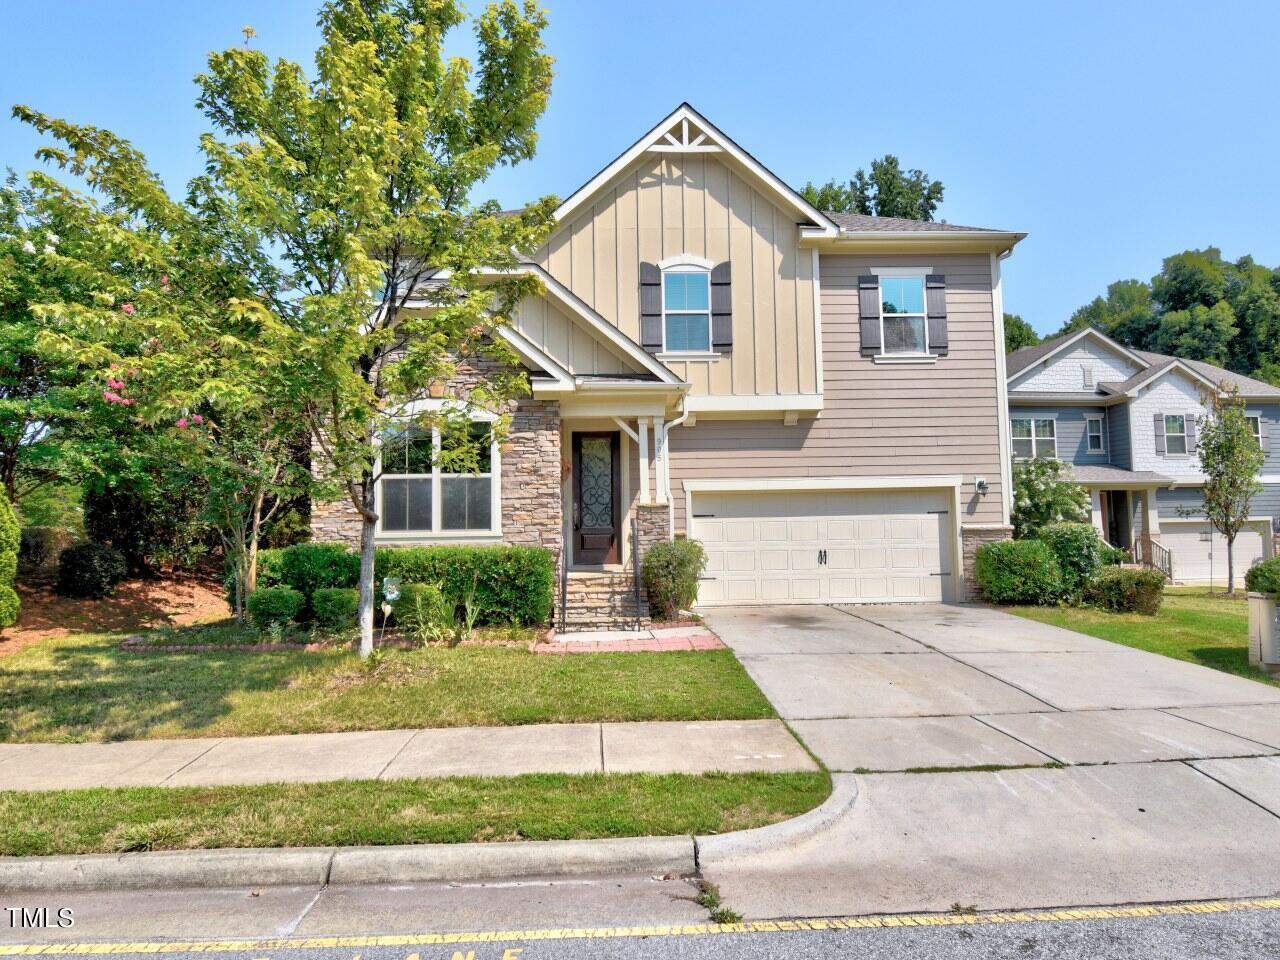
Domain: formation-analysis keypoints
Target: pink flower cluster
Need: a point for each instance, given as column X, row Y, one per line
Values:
column 183, row 422
column 112, row 397
column 128, row 310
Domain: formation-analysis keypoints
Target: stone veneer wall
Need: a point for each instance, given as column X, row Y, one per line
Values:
column 971, row 539
column 532, row 512
column 653, row 524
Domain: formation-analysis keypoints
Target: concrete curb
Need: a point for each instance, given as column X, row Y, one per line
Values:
column 317, row 866
column 745, row 843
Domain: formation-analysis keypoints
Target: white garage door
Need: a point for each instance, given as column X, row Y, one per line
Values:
column 1191, row 544
column 824, row 546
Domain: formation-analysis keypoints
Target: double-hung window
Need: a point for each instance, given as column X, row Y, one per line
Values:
column 903, row 323
column 1175, row 434
column 438, row 482
column 686, row 310
column 1255, row 427
column 1093, row 435
column 1034, row 438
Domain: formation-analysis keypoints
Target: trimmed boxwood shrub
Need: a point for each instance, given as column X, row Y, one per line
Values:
column 512, row 584
column 308, row 567
column 1078, row 549
column 268, row 605
column 671, row 570
column 1127, row 591
column 1018, row 571
column 1264, row 577
column 91, row 570
column 335, row 607
column 10, row 538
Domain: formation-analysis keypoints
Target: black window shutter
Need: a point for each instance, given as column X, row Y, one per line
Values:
column 869, row 314
column 935, row 297
column 1158, row 420
column 1191, row 434
column 721, row 308
column 650, row 307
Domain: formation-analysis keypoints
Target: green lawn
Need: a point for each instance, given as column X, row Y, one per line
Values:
column 84, row 687
column 1192, row 625
column 372, row 812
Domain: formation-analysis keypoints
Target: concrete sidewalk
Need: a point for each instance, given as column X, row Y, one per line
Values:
column 673, row 747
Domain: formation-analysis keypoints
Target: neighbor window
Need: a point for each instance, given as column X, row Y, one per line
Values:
column 1175, row 434
column 1093, row 434
column 1034, row 438
column 902, row 315
column 686, row 311
column 434, row 482
column 1255, row 427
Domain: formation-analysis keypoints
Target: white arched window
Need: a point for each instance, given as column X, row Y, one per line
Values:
column 686, row 305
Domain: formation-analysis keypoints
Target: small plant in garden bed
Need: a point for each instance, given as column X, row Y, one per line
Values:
column 671, row 570
column 1018, row 571
column 1264, row 577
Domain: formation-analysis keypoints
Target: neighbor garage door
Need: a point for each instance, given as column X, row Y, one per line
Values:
column 1191, row 544
column 824, row 546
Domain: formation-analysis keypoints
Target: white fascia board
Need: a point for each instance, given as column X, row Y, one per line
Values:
column 533, row 354
column 823, row 227
column 803, row 402
column 1072, row 341
column 587, row 385
column 1176, row 365
column 784, row 484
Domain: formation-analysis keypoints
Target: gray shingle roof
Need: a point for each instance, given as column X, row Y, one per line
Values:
column 1246, row 385
column 1108, row 474
column 1024, row 357
column 861, row 223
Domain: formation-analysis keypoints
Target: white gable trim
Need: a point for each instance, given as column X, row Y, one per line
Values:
column 1072, row 341
column 657, row 138
column 531, row 353
column 1180, row 367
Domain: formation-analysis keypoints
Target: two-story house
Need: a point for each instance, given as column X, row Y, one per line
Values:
column 818, row 398
column 1127, row 420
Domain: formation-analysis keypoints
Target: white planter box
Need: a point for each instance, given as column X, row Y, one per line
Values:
column 1264, row 632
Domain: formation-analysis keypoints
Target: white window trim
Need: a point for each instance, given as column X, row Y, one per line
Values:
column 1035, row 441
column 436, row 534
column 905, row 273
column 1257, row 418
column 1167, row 452
column 686, row 264
column 1102, row 434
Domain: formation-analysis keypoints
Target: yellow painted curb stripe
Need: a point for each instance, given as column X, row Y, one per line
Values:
column 679, row 930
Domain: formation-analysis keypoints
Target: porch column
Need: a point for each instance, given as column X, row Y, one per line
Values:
column 660, row 458
column 642, row 424
column 1095, row 498
column 1150, row 514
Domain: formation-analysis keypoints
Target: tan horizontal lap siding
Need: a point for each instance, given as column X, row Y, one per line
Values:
column 666, row 205
column 877, row 419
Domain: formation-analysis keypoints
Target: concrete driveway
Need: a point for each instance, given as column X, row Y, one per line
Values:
column 1127, row 776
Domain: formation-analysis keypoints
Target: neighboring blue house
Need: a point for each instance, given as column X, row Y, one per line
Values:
column 1127, row 420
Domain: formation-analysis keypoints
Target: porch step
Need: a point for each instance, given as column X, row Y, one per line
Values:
column 602, row 601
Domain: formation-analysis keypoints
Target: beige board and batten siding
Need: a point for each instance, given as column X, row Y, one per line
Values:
column 877, row 420
column 668, row 205
column 566, row 339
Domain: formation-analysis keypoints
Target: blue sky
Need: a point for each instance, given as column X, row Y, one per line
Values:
column 1113, row 134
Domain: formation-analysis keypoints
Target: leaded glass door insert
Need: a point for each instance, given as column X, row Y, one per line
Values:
column 596, row 497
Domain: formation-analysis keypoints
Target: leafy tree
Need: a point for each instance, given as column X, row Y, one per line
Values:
column 1197, row 333
column 1018, row 333
column 1044, row 493
column 1189, row 278
column 1254, row 294
column 1230, row 458
column 888, row 191
column 1126, row 314
column 10, row 535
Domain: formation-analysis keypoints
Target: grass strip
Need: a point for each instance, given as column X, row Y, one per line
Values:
column 377, row 812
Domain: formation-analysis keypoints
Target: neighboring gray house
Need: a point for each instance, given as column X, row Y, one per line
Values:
column 817, row 398
column 1127, row 420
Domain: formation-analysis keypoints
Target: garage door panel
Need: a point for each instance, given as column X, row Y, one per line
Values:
column 879, row 546
column 1200, row 553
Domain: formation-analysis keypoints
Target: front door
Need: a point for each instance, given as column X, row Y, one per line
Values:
column 1115, row 504
column 597, row 498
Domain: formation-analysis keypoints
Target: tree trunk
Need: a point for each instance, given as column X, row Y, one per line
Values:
column 1231, row 565
column 368, row 529
column 251, row 559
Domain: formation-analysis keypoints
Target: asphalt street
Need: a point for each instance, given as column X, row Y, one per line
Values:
column 1228, row 930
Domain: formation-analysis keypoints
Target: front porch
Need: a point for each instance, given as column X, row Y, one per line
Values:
column 1125, row 511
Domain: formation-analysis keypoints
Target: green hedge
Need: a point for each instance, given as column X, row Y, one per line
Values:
column 268, row 605
column 1078, row 549
column 10, row 539
column 335, row 607
column 420, row 609
column 91, row 570
column 1018, row 571
column 513, row 584
column 671, row 570
column 1125, row 590
column 1265, row 577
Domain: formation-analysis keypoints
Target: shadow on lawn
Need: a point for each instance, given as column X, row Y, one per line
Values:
column 87, row 688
